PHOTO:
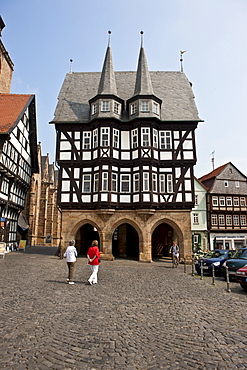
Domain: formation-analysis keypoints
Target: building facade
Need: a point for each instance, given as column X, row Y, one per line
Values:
column 6, row 65
column 126, row 151
column 226, row 207
column 18, row 152
column 41, row 211
column 199, row 218
column 18, row 160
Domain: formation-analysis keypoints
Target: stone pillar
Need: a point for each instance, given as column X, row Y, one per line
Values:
column 106, row 246
column 145, row 254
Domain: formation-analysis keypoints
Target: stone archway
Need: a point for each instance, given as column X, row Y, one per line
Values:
column 84, row 237
column 164, row 232
column 162, row 239
column 125, row 242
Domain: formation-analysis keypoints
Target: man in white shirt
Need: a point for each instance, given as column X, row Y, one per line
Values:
column 71, row 254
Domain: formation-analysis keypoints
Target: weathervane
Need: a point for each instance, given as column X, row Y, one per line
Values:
column 71, row 61
column 181, row 58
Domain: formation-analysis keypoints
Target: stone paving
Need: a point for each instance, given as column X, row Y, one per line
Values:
column 139, row 316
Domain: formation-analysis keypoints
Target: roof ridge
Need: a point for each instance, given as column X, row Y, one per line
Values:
column 214, row 173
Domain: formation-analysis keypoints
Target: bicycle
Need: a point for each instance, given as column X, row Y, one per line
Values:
column 175, row 261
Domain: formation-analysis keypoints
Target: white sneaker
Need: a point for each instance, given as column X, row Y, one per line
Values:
column 71, row 283
column 67, row 279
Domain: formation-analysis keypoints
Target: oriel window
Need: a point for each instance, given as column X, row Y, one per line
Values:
column 145, row 137
column 96, row 182
column 86, row 183
column 125, row 183
column 95, row 138
column 145, row 181
column 115, row 138
column 134, row 134
column 86, row 140
column 136, row 182
column 165, row 140
column 114, row 182
column 105, row 181
column 105, row 137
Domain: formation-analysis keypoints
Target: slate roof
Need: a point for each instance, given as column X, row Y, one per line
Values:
column 173, row 88
column 213, row 173
column 12, row 107
column 143, row 84
column 107, row 83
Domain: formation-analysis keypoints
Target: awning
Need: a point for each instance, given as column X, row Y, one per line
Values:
column 22, row 222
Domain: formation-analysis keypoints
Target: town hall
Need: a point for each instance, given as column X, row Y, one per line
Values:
column 126, row 152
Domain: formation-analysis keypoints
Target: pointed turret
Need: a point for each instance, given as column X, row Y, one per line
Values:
column 143, row 84
column 143, row 103
column 107, row 83
column 107, row 103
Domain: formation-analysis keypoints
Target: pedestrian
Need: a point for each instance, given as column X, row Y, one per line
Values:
column 71, row 254
column 93, row 256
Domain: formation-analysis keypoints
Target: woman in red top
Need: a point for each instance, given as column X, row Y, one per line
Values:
column 93, row 256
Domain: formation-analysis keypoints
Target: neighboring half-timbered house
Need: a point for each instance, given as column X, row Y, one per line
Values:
column 226, row 207
column 18, row 151
column 126, row 151
column 18, row 159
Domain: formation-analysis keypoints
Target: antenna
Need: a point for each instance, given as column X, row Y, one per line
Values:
column 212, row 160
column 181, row 59
column 70, row 69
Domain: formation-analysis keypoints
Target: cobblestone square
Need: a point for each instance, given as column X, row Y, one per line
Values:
column 139, row 316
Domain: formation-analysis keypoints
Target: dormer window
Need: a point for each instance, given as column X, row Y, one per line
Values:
column 156, row 108
column 116, row 108
column 94, row 108
column 144, row 106
column 133, row 108
column 105, row 106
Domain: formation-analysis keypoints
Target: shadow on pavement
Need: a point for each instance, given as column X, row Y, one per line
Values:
column 48, row 251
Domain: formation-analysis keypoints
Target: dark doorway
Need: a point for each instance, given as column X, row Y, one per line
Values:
column 84, row 237
column 162, row 240
column 125, row 242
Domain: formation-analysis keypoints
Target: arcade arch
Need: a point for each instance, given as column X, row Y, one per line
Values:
column 84, row 237
column 163, row 235
column 125, row 242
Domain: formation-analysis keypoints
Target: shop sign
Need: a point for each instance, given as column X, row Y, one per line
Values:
column 22, row 245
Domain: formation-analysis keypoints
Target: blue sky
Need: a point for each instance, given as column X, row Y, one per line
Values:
column 41, row 37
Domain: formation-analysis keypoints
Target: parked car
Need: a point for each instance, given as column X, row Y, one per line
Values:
column 216, row 258
column 241, row 277
column 238, row 260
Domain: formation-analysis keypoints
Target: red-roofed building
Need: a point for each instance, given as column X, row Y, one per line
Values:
column 226, row 207
column 18, row 152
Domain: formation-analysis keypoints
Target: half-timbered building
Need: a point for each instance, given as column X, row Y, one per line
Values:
column 18, row 159
column 18, row 151
column 126, row 151
column 226, row 207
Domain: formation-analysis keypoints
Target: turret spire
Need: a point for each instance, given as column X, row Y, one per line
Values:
column 143, row 84
column 107, row 83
